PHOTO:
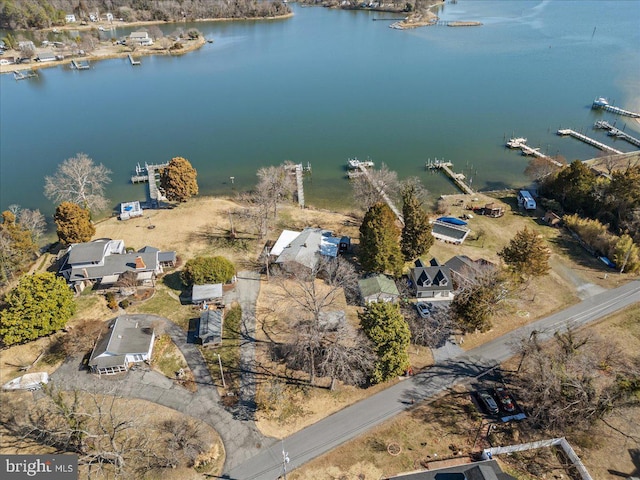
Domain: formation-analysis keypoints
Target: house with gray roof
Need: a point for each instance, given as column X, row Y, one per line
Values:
column 485, row 470
column 378, row 288
column 104, row 261
column 129, row 340
column 448, row 232
column 463, row 269
column 305, row 249
column 208, row 292
column 431, row 281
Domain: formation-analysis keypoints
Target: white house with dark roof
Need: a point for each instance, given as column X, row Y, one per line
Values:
column 104, row 261
column 432, row 281
column 140, row 38
column 129, row 340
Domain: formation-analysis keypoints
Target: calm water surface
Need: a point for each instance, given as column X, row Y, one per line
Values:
column 326, row 85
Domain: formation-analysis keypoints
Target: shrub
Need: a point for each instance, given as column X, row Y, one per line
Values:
column 201, row 270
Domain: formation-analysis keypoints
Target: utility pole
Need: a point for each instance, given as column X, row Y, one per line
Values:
column 266, row 261
column 224, row 385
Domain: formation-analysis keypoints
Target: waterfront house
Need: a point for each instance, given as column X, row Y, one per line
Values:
column 104, row 261
column 431, row 281
column 140, row 38
column 305, row 249
column 46, row 56
column 129, row 340
column 210, row 327
column 378, row 288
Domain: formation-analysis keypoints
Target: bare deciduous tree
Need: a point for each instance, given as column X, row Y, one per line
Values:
column 430, row 332
column 366, row 191
column 79, row 180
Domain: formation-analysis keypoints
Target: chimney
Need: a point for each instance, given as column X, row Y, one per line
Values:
column 140, row 263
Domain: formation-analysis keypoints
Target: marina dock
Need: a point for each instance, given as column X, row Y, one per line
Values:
column 588, row 140
column 614, row 132
column 149, row 173
column 521, row 143
column 603, row 104
column 133, row 62
column 24, row 74
column 457, row 178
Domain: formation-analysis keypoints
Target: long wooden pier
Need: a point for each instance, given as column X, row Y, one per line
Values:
column 521, row 143
column 133, row 62
column 148, row 173
column 588, row 140
column 603, row 104
column 382, row 193
column 300, row 184
column 457, row 178
column 615, row 132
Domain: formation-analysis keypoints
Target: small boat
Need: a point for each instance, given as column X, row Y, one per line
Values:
column 452, row 221
column 354, row 163
column 516, row 142
column 600, row 102
column 30, row 381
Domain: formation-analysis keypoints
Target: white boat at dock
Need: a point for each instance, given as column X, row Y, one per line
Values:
column 30, row 381
column 354, row 163
column 516, row 142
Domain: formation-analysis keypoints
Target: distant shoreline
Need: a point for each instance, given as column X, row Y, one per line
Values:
column 105, row 52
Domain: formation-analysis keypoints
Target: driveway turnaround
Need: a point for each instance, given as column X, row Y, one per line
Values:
column 241, row 439
column 355, row 420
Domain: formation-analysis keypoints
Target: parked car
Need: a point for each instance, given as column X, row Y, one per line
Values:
column 506, row 402
column 488, row 402
column 423, row 309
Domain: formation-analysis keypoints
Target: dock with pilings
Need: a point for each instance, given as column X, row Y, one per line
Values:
column 526, row 150
column 457, row 178
column 365, row 172
column 615, row 132
column 587, row 140
column 80, row 65
column 603, row 104
column 149, row 173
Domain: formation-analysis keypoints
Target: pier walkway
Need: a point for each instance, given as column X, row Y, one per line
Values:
column 521, row 143
column 133, row 62
column 603, row 104
column 614, row 132
column 382, row 193
column 588, row 140
column 300, row 185
column 457, row 178
column 148, row 173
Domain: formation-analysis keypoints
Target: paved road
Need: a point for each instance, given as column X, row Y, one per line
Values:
column 241, row 439
column 352, row 421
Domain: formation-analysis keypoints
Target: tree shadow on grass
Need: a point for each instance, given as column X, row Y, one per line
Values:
column 569, row 247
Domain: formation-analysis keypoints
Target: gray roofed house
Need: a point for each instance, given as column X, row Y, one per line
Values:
column 46, row 56
column 167, row 259
column 379, row 288
column 306, row 248
column 129, row 340
column 433, row 281
column 206, row 293
column 210, row 328
column 486, row 470
column 448, row 232
column 463, row 269
column 105, row 260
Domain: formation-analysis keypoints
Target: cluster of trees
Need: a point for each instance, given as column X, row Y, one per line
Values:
column 19, row 233
column 613, row 200
column 111, row 439
column 25, row 14
column 624, row 252
column 575, row 380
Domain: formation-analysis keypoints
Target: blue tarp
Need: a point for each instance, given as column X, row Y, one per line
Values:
column 452, row 220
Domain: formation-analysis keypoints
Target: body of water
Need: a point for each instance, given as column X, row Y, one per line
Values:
column 326, row 85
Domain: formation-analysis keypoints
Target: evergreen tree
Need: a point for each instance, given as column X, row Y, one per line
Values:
column 201, row 270
column 178, row 180
column 527, row 255
column 17, row 247
column 416, row 234
column 574, row 188
column 41, row 304
column 379, row 247
column 383, row 323
column 73, row 223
